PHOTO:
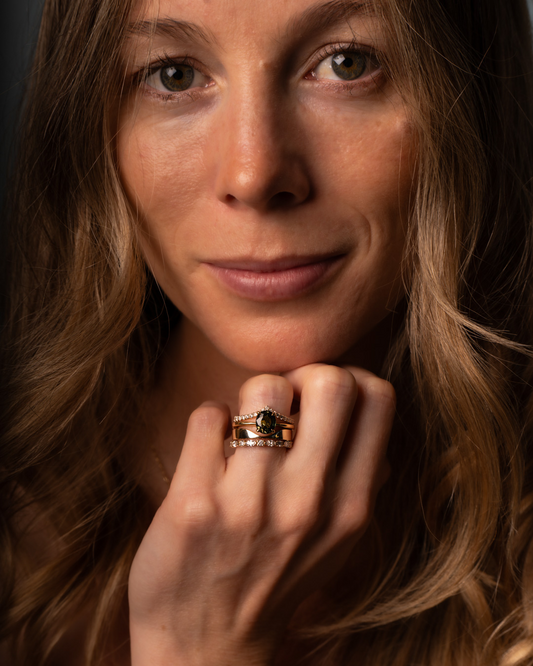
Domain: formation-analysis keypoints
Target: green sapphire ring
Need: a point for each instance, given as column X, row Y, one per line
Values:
column 266, row 425
column 265, row 413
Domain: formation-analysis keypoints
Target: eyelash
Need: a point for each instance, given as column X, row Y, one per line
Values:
column 157, row 65
column 326, row 52
column 370, row 55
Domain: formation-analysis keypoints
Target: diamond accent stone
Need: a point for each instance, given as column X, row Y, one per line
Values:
column 236, row 443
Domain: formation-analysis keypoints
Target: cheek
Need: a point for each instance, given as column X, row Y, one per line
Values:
column 371, row 168
column 368, row 169
column 164, row 175
column 162, row 170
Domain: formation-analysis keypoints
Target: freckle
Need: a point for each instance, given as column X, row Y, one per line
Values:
column 163, row 628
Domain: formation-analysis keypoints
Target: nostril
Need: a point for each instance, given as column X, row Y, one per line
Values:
column 278, row 200
column 284, row 198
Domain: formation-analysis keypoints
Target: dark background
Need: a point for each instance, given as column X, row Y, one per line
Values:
column 19, row 23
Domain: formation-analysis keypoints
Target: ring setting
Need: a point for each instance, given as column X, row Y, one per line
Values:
column 250, row 429
column 271, row 412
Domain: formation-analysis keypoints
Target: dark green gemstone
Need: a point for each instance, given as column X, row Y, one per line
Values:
column 266, row 422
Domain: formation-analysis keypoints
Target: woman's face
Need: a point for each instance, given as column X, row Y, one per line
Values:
column 271, row 162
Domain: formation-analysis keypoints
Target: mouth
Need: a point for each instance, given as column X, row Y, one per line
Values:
column 274, row 280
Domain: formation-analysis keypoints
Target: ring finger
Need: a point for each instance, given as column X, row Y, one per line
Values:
column 252, row 464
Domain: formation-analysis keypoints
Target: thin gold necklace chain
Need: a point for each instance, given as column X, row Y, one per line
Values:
column 160, row 465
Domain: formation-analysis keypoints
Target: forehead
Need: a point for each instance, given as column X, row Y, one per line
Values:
column 249, row 20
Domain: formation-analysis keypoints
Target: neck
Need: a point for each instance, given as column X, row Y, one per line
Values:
column 190, row 371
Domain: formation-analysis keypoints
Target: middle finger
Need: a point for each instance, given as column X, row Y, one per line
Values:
column 327, row 398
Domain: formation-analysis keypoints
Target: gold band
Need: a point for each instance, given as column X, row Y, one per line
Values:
column 280, row 434
column 253, row 424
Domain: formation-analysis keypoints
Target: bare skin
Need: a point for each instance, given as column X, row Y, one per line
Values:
column 272, row 194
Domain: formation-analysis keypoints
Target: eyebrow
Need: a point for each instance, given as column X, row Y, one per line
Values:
column 168, row 27
column 314, row 18
column 324, row 15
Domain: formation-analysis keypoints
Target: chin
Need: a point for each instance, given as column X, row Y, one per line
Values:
column 282, row 353
column 276, row 361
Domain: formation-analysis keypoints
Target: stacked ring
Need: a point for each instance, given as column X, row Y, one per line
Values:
column 249, row 417
column 260, row 442
column 250, row 429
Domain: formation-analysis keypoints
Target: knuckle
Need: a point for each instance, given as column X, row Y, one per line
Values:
column 299, row 519
column 265, row 388
column 196, row 511
column 381, row 392
column 291, row 523
column 330, row 380
column 208, row 419
column 353, row 518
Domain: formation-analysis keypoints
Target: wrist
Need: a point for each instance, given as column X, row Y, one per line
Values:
column 158, row 648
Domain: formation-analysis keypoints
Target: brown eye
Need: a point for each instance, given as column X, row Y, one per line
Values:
column 172, row 78
column 176, row 78
column 348, row 66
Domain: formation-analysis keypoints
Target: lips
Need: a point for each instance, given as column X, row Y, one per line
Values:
column 273, row 280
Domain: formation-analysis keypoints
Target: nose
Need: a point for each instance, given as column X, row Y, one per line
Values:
column 260, row 153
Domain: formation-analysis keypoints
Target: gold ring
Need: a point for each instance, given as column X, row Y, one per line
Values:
column 281, row 434
column 261, row 442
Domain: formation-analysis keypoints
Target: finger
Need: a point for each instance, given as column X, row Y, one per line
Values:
column 202, row 459
column 327, row 397
column 362, row 467
column 250, row 465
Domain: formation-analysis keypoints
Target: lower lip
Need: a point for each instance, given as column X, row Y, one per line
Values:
column 274, row 285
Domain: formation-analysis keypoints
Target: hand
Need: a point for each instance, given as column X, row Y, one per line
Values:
column 239, row 543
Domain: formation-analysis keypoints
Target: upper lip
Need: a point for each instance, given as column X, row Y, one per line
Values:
column 272, row 265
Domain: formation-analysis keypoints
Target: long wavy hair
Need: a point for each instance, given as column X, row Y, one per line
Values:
column 452, row 530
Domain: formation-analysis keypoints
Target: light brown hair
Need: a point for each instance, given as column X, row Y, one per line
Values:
column 454, row 524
